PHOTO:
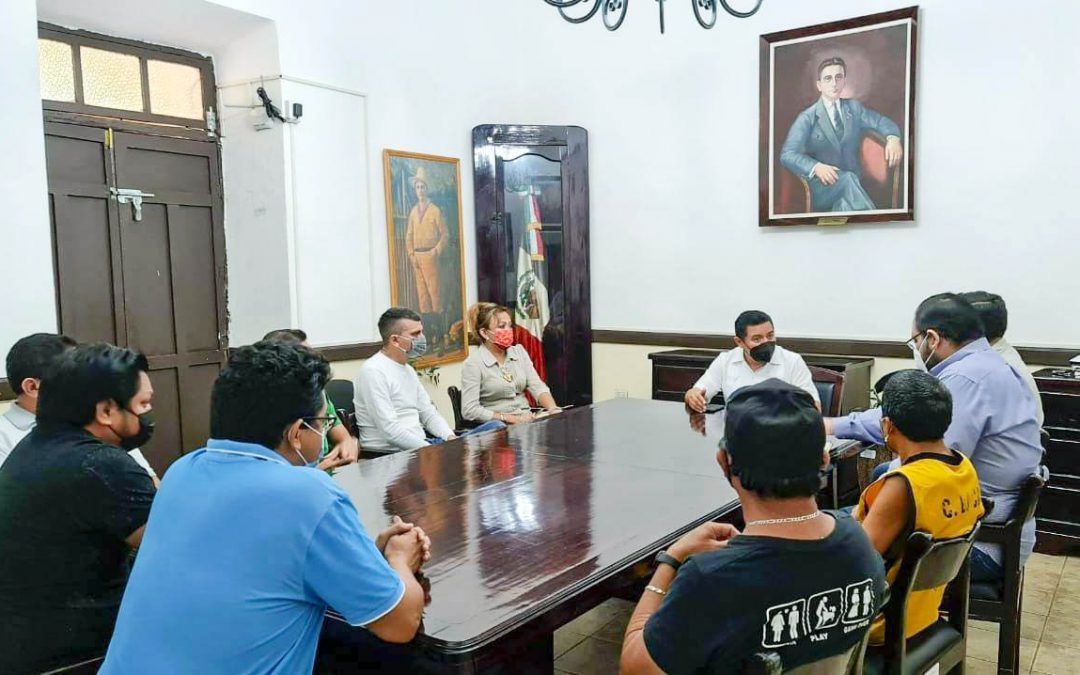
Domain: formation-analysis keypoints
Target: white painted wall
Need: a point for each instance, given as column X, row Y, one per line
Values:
column 673, row 152
column 28, row 303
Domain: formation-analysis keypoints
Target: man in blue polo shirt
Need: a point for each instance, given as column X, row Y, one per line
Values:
column 247, row 545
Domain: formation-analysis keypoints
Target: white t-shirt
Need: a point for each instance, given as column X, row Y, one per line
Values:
column 393, row 411
column 16, row 423
column 1012, row 357
column 730, row 372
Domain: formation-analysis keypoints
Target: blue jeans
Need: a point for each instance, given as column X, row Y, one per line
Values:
column 882, row 468
column 493, row 425
column 983, row 567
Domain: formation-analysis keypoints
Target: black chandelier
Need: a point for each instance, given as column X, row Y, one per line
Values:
column 614, row 11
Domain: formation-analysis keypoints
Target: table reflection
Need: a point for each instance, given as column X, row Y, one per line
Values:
column 519, row 517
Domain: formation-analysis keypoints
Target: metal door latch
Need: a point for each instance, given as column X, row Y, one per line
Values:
column 131, row 196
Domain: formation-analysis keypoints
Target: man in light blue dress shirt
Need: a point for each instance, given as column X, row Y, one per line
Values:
column 994, row 414
column 823, row 143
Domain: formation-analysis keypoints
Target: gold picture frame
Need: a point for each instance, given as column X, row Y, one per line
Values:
column 425, row 247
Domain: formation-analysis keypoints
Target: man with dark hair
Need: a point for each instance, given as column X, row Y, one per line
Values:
column 339, row 448
column 72, row 509
column 393, row 411
column 993, row 421
column 995, row 319
column 28, row 359
column 823, row 143
column 798, row 581
column 933, row 490
column 27, row 363
column 756, row 359
column 246, row 547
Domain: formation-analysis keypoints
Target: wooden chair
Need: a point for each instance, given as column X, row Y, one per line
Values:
column 926, row 564
column 880, row 181
column 1002, row 602
column 849, row 662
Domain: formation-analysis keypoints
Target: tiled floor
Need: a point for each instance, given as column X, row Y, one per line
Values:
column 1049, row 638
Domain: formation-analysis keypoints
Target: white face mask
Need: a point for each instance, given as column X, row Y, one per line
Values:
column 919, row 362
column 315, row 462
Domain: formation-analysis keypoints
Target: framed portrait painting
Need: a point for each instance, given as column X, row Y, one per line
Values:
column 838, row 122
column 423, row 230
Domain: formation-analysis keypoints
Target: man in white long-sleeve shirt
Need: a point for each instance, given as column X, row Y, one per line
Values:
column 393, row 411
column 755, row 359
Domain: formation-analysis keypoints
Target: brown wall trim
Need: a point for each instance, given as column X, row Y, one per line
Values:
column 1042, row 356
column 350, row 352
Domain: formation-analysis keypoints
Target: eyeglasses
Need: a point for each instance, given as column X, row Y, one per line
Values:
column 323, row 421
column 911, row 343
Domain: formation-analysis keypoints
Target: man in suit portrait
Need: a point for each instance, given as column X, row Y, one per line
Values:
column 823, row 143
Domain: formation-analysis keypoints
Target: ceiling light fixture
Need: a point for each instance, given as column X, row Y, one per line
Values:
column 614, row 11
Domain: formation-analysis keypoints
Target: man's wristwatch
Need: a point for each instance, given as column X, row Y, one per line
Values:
column 663, row 558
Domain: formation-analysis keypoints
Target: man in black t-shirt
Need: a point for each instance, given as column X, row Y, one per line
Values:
column 796, row 581
column 72, row 508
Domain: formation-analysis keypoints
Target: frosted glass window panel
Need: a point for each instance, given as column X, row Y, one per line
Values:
column 111, row 79
column 175, row 89
column 56, row 69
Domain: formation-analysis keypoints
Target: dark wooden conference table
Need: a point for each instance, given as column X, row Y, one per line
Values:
column 530, row 527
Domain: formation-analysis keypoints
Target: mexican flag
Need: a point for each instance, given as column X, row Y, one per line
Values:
column 532, row 312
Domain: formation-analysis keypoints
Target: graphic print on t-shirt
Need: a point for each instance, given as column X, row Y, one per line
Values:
column 783, row 624
column 860, row 602
column 812, row 618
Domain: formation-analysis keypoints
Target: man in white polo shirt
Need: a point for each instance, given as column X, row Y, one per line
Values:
column 756, row 358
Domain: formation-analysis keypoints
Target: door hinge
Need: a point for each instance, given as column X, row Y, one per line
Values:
column 108, row 139
column 211, row 122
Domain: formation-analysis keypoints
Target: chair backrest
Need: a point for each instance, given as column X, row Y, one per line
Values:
column 341, row 395
column 928, row 563
column 1028, row 499
column 455, row 402
column 845, row 663
column 830, row 386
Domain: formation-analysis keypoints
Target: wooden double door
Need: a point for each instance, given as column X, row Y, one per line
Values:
column 151, row 277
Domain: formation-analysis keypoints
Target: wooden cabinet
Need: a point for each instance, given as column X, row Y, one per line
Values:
column 534, row 181
column 675, row 371
column 1058, row 514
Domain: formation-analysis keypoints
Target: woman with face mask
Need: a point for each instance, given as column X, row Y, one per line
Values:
column 497, row 374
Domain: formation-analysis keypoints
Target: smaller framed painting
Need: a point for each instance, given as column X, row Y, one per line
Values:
column 423, row 232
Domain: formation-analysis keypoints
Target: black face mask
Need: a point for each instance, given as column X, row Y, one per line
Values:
column 143, row 436
column 763, row 353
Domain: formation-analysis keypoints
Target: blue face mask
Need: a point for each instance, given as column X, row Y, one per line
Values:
column 418, row 347
column 315, row 462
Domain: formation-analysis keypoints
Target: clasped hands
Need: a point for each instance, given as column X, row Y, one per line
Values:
column 404, row 544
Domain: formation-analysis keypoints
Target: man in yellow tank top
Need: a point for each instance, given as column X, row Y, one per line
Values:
column 934, row 490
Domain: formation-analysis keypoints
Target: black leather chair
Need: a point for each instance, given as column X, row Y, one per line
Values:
column 460, row 423
column 845, row 663
column 830, row 387
column 1001, row 602
column 926, row 564
column 340, row 393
